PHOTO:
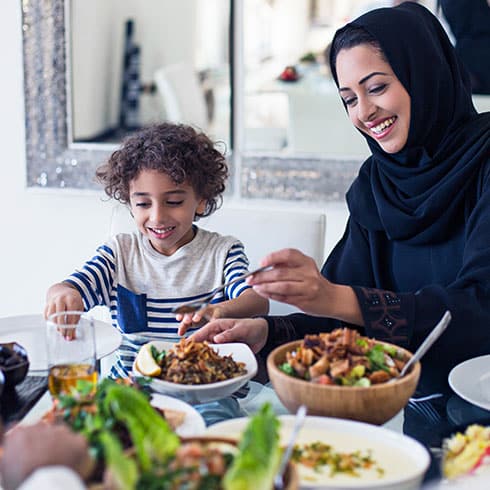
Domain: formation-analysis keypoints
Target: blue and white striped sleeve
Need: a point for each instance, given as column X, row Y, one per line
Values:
column 236, row 264
column 94, row 280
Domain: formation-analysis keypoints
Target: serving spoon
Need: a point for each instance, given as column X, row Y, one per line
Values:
column 192, row 306
column 427, row 343
column 286, row 455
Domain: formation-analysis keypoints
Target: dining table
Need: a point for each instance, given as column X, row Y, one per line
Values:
column 427, row 419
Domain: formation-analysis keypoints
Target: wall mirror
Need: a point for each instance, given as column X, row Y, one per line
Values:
column 133, row 62
column 96, row 70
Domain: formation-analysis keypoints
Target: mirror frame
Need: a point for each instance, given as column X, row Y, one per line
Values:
column 52, row 162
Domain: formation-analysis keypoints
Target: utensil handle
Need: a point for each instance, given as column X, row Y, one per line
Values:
column 239, row 278
column 427, row 343
column 298, row 423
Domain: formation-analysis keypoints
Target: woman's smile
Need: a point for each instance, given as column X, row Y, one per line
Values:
column 381, row 129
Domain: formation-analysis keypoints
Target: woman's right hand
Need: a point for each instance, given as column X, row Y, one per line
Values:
column 62, row 297
column 251, row 331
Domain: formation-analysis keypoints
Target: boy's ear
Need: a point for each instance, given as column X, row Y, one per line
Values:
column 201, row 207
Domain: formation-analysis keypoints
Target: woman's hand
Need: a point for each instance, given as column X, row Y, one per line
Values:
column 296, row 280
column 251, row 331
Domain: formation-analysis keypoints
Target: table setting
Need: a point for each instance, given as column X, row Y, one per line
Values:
column 417, row 432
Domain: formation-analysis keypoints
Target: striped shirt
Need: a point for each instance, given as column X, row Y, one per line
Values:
column 141, row 286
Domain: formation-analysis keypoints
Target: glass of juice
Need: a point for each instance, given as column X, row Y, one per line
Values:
column 71, row 351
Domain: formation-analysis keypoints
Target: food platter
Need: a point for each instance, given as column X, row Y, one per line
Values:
column 403, row 460
column 204, row 393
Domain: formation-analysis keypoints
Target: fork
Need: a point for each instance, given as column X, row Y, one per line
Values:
column 192, row 306
column 424, row 407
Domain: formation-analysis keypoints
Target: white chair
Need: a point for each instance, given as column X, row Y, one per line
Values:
column 182, row 95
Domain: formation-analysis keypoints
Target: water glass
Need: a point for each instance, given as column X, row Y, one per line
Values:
column 71, row 351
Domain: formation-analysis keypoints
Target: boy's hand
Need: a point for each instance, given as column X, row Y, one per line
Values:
column 62, row 297
column 198, row 318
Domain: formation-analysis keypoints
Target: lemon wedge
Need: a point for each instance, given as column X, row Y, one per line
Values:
column 145, row 363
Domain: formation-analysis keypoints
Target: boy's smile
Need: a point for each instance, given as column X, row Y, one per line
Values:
column 164, row 211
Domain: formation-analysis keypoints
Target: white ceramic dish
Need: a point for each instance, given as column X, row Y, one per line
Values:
column 197, row 394
column 471, row 381
column 30, row 332
column 403, row 459
column 193, row 424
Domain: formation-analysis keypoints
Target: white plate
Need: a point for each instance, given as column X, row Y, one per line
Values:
column 204, row 393
column 193, row 424
column 30, row 332
column 404, row 460
column 471, row 381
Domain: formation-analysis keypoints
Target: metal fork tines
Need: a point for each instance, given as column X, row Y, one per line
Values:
column 425, row 409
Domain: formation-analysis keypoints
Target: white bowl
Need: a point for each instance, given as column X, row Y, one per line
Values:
column 204, row 393
column 404, row 460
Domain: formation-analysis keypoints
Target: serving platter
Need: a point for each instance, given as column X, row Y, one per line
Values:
column 403, row 460
column 204, row 393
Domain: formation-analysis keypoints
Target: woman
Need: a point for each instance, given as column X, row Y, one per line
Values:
column 418, row 238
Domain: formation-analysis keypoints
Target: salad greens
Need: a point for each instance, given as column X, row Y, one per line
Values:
column 119, row 417
column 259, row 454
column 116, row 412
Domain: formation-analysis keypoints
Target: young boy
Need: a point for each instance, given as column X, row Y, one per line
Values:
column 169, row 175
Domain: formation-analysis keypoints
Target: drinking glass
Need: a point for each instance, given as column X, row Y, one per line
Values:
column 71, row 351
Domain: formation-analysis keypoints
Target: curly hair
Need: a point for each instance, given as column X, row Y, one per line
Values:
column 177, row 150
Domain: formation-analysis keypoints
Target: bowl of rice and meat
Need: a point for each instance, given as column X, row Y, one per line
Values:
column 195, row 372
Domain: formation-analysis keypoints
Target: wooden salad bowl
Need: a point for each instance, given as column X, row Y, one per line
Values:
column 375, row 404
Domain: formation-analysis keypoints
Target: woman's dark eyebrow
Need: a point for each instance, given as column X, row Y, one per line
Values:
column 362, row 80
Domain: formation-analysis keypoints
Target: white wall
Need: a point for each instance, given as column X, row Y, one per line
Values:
column 46, row 234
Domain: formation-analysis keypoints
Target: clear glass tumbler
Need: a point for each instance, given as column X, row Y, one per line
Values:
column 71, row 351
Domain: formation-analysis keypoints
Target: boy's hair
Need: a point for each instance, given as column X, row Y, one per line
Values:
column 177, row 150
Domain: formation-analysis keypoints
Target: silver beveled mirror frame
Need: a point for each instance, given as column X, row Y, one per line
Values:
column 52, row 162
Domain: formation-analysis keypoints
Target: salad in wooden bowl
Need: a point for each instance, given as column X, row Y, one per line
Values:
column 343, row 374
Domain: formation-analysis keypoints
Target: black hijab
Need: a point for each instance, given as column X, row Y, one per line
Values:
column 416, row 194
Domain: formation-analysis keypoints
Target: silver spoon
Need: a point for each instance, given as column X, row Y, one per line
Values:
column 286, row 455
column 427, row 343
column 193, row 306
